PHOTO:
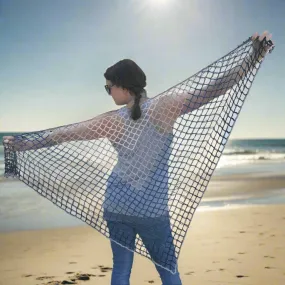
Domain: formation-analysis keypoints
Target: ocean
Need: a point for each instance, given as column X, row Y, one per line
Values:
column 239, row 155
column 21, row 208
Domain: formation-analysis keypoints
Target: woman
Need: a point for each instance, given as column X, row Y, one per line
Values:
column 129, row 212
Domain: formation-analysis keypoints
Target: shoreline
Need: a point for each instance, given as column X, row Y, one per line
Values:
column 228, row 191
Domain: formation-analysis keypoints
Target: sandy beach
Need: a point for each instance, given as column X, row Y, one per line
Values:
column 241, row 244
column 234, row 246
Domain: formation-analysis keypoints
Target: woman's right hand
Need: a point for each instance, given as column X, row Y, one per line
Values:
column 17, row 145
column 8, row 140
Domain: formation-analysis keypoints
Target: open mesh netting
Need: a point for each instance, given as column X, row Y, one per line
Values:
column 147, row 175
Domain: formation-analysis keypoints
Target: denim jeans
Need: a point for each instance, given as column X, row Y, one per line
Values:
column 150, row 231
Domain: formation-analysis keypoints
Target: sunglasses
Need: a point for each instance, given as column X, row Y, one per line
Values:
column 108, row 88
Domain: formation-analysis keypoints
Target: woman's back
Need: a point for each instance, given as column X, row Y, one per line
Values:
column 141, row 173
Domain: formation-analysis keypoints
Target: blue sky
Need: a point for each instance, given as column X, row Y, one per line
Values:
column 53, row 55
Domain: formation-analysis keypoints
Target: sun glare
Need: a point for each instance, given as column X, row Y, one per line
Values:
column 159, row 2
column 157, row 6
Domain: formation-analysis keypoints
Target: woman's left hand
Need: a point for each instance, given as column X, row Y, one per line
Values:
column 257, row 42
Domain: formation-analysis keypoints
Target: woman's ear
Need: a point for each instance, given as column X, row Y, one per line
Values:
column 127, row 92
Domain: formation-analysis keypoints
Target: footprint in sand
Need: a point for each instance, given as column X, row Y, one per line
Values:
column 268, row 267
column 190, row 273
column 60, row 282
column 268, row 256
column 151, row 281
column 103, row 268
column 241, row 252
column 106, row 269
column 72, row 262
column 44, row 277
column 83, row 276
column 27, row 275
column 76, row 277
column 241, row 276
column 54, row 283
column 231, row 259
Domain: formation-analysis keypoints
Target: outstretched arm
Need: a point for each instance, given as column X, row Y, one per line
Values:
column 225, row 82
column 106, row 125
column 175, row 105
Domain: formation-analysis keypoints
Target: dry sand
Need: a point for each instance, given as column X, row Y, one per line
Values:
column 234, row 246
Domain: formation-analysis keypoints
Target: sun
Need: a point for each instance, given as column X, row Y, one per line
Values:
column 158, row 6
column 159, row 3
column 155, row 8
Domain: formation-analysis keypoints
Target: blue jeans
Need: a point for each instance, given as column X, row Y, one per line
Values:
column 151, row 231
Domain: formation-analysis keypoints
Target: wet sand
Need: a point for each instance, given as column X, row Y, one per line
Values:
column 244, row 185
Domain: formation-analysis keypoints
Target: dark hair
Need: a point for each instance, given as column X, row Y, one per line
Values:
column 128, row 75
